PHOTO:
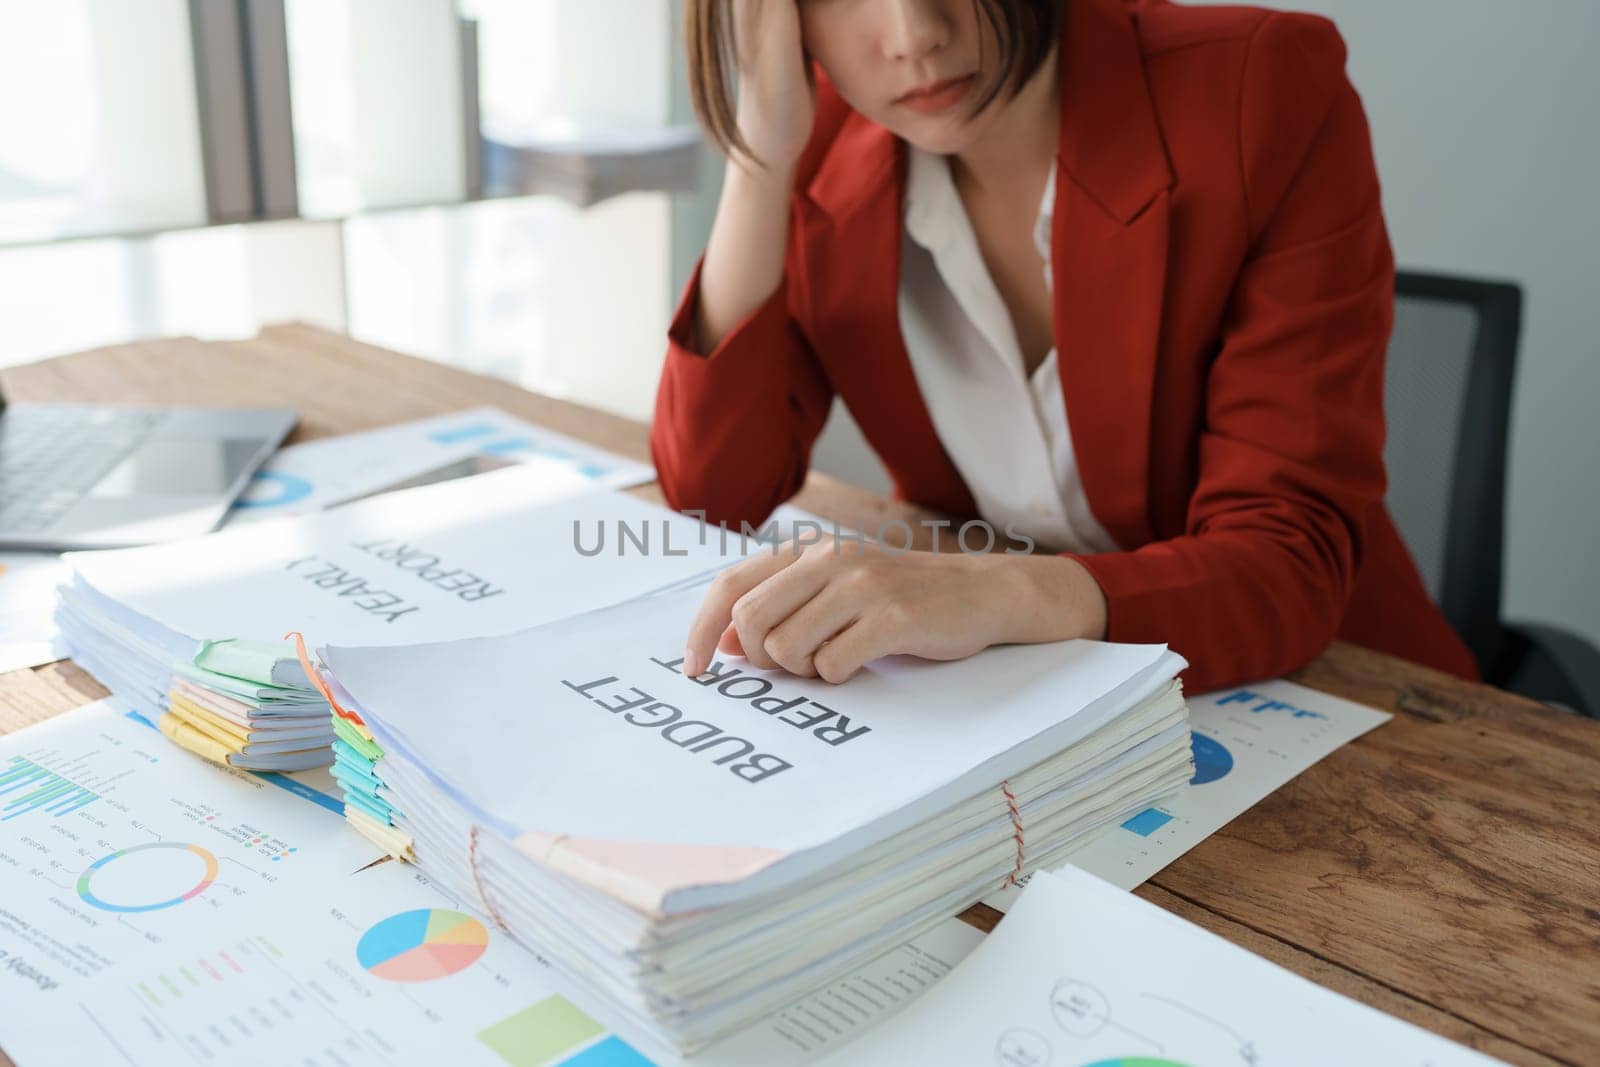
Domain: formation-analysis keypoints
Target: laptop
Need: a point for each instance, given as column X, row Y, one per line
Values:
column 101, row 476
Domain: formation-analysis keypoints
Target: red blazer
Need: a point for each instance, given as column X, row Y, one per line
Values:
column 1223, row 289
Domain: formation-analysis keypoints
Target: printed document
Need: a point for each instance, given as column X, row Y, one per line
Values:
column 319, row 474
column 1247, row 742
column 28, row 583
column 1081, row 972
column 155, row 910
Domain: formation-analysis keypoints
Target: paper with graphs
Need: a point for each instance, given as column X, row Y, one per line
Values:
column 113, row 846
column 160, row 910
column 1082, row 973
column 1247, row 742
column 320, row 474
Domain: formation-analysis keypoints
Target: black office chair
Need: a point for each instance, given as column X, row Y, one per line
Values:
column 1452, row 361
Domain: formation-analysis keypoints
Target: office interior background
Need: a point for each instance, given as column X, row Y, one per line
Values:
column 124, row 136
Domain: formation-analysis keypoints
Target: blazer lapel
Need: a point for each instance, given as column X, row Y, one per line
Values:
column 854, row 241
column 1108, row 260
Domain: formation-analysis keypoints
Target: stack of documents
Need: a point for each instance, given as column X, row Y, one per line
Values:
column 240, row 703
column 695, row 853
column 1247, row 743
column 192, row 634
column 368, row 800
column 357, row 756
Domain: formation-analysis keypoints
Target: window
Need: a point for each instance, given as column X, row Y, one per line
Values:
column 376, row 96
column 385, row 101
column 223, row 281
column 99, row 131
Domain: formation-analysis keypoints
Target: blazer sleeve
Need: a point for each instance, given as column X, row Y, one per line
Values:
column 1290, row 457
column 734, row 427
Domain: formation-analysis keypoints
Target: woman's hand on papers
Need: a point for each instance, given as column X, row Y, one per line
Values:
column 829, row 608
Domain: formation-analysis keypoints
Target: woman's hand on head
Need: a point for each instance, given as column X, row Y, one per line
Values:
column 829, row 608
column 777, row 100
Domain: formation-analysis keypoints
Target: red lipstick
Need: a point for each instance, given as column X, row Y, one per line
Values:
column 936, row 96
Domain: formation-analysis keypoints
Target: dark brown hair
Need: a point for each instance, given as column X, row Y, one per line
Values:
column 1024, row 30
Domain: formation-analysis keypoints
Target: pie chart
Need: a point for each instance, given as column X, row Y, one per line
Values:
column 421, row 945
column 1211, row 760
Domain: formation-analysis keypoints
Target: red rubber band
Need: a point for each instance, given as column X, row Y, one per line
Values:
column 472, row 864
column 1016, row 832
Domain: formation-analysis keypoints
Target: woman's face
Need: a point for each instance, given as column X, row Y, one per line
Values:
column 915, row 67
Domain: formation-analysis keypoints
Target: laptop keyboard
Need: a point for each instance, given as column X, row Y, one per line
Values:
column 51, row 456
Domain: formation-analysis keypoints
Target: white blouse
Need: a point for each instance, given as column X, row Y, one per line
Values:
column 1005, row 432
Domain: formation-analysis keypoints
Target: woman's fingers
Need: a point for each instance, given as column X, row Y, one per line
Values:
column 770, row 603
column 854, row 647
column 827, row 613
column 885, row 628
column 793, row 641
column 777, row 100
column 716, row 609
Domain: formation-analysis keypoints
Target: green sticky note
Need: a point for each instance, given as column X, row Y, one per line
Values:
column 348, row 734
column 537, row 1035
column 253, row 661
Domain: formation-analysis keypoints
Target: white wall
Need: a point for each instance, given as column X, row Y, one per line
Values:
column 1486, row 120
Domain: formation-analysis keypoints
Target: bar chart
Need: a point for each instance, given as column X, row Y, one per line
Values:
column 27, row 787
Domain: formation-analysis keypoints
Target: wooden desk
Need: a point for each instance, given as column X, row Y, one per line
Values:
column 1445, row 868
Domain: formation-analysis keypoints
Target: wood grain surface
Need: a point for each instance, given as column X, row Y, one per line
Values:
column 1444, row 868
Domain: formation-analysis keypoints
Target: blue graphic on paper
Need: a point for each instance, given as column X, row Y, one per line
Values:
column 289, row 490
column 520, row 444
column 463, row 433
column 1211, row 760
column 1263, row 705
column 1147, row 822
column 529, row 446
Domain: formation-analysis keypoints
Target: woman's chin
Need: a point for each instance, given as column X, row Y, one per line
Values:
column 946, row 138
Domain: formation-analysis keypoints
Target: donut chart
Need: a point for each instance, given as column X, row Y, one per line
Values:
column 421, row 945
column 162, row 874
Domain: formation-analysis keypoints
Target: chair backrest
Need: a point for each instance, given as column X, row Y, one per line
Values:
column 1447, row 385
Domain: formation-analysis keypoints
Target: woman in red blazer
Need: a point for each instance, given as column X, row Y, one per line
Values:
column 1221, row 301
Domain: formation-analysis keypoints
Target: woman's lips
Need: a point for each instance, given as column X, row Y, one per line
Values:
column 939, row 96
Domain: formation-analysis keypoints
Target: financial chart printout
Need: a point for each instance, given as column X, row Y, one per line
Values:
column 113, row 844
column 157, row 909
